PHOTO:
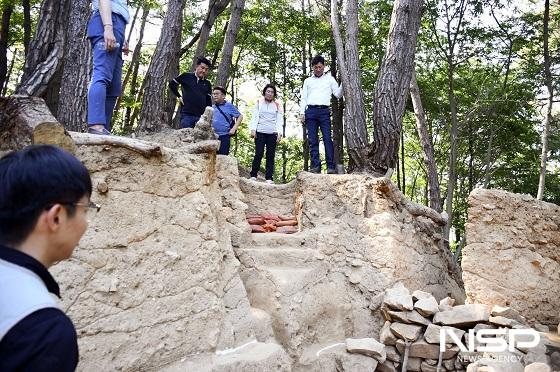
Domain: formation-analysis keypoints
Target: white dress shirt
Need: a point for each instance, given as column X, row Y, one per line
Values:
column 318, row 90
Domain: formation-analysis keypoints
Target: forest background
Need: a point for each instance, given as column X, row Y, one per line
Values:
column 481, row 110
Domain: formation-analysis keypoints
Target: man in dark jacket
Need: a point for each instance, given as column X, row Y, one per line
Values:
column 197, row 92
column 44, row 197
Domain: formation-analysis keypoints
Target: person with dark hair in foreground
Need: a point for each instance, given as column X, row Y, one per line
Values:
column 226, row 119
column 44, row 198
column 266, row 129
column 197, row 92
column 315, row 112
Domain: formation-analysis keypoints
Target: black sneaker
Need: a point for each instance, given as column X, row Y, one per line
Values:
column 315, row 170
column 102, row 132
column 331, row 171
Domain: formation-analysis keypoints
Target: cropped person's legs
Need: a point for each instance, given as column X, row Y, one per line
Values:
column 225, row 141
column 325, row 125
column 270, row 154
column 260, row 142
column 189, row 121
column 312, row 124
column 105, row 85
column 104, row 66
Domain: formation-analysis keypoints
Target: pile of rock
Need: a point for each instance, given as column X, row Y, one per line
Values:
column 414, row 322
column 272, row 223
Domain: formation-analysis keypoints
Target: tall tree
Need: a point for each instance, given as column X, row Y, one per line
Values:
column 453, row 52
column 43, row 63
column 72, row 107
column 392, row 86
column 26, row 25
column 9, row 74
column 337, row 115
column 215, row 8
column 237, row 7
column 166, row 55
column 427, row 146
column 7, row 10
column 132, row 71
column 550, row 100
column 349, row 69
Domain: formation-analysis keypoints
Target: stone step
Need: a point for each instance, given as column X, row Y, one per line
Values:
column 289, row 280
column 291, row 257
column 273, row 240
column 262, row 198
column 251, row 357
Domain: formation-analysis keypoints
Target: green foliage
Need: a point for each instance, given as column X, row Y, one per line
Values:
column 496, row 60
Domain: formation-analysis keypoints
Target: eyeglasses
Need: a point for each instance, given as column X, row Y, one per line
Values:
column 90, row 205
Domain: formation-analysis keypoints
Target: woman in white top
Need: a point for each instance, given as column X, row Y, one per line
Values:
column 266, row 129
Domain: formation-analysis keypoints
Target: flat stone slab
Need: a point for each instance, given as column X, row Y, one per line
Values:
column 432, row 334
column 366, row 346
column 398, row 298
column 408, row 317
column 463, row 315
column 387, row 337
column 424, row 350
column 407, row 332
column 419, row 295
column 426, row 306
column 502, row 321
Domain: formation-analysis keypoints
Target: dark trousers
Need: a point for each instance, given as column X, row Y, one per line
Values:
column 315, row 119
column 188, row 120
column 225, row 141
column 269, row 141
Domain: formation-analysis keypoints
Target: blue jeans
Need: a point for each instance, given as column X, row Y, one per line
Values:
column 315, row 119
column 105, row 86
column 269, row 141
column 189, row 121
column 225, row 141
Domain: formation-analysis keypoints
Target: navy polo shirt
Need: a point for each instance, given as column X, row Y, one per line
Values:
column 197, row 93
column 45, row 340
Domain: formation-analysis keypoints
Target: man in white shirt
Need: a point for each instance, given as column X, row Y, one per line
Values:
column 315, row 112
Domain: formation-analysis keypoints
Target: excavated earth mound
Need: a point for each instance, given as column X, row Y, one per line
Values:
column 169, row 275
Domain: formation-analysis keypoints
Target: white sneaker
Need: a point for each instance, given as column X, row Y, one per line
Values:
column 270, row 182
column 253, row 178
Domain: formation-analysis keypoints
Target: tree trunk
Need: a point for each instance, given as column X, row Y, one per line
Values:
column 215, row 8
column 26, row 25
column 349, row 68
column 153, row 117
column 72, row 107
column 134, row 63
column 9, row 74
column 391, row 88
column 136, row 111
column 548, row 118
column 4, row 36
column 427, row 146
column 27, row 120
column 237, row 7
column 337, row 114
column 452, row 176
column 403, row 189
column 46, row 51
